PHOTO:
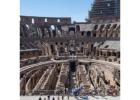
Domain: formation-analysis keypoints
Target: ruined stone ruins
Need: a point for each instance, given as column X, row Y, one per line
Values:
column 58, row 56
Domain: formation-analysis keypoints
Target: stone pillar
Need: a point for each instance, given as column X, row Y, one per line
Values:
column 117, row 54
column 91, row 35
column 111, row 53
column 106, row 53
column 56, row 50
column 49, row 50
column 100, row 52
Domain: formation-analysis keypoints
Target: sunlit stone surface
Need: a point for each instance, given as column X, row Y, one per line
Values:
column 58, row 57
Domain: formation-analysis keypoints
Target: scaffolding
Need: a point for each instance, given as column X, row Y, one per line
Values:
column 104, row 8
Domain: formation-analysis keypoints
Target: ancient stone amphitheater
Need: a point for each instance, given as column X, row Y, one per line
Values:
column 58, row 57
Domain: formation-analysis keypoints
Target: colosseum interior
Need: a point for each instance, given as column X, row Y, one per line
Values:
column 57, row 56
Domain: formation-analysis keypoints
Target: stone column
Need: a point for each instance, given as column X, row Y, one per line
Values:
column 100, row 52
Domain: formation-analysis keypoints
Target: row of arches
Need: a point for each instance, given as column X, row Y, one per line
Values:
column 33, row 20
column 45, row 30
column 101, row 26
column 113, row 34
column 56, row 30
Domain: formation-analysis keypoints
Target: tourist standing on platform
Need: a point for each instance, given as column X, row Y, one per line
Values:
column 53, row 98
column 62, row 97
column 40, row 98
column 48, row 97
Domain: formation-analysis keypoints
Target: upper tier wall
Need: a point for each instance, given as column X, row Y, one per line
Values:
column 43, row 20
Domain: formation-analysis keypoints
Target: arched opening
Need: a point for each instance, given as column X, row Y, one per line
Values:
column 71, row 45
column 52, row 49
column 59, row 27
column 82, row 34
column 118, row 27
column 82, row 43
column 54, row 33
column 94, row 50
column 62, row 50
column 114, row 26
column 95, row 27
column 52, row 27
column 71, row 29
column 61, row 43
column 58, row 20
column 97, row 53
column 108, row 26
column 27, row 26
column 101, row 27
column 108, row 53
column 88, row 33
column 101, row 53
column 77, row 28
column 53, row 30
column 106, row 46
column 46, row 20
column 114, row 54
column 94, row 33
column 92, row 47
column 33, row 21
column 118, row 54
column 82, row 49
column 66, row 44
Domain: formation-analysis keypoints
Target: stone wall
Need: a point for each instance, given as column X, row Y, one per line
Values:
column 45, row 20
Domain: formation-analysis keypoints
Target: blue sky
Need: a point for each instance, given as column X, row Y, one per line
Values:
column 76, row 9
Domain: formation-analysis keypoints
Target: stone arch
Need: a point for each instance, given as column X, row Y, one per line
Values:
column 54, row 33
column 61, row 43
column 88, row 33
column 95, row 27
column 114, row 26
column 52, row 27
column 108, row 53
column 82, row 43
column 33, row 21
column 52, row 49
column 82, row 33
column 77, row 28
column 72, row 30
column 82, row 49
column 93, row 33
column 92, row 46
column 108, row 26
column 59, row 27
column 46, row 20
column 62, row 50
column 58, row 20
column 101, row 27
